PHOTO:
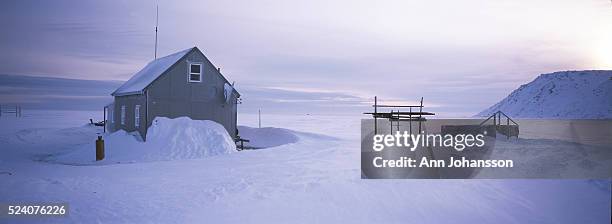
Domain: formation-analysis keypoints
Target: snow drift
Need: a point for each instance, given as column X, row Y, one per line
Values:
column 267, row 137
column 568, row 94
column 167, row 139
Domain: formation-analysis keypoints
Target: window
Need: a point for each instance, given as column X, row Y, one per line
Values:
column 122, row 115
column 195, row 72
column 111, row 114
column 137, row 116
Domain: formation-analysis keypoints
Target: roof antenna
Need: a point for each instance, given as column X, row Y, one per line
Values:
column 156, row 23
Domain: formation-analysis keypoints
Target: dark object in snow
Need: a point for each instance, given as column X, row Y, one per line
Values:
column 4, row 172
column 242, row 141
column 99, row 123
column 99, row 148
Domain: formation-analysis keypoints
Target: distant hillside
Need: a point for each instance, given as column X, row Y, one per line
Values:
column 565, row 95
column 33, row 92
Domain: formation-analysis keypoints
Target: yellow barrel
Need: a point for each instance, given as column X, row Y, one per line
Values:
column 99, row 148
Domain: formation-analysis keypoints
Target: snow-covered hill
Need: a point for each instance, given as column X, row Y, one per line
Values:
column 565, row 95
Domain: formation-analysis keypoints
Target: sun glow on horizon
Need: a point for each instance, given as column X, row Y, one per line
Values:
column 604, row 58
column 602, row 52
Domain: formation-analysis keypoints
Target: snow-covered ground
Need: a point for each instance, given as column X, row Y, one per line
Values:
column 266, row 137
column 311, row 180
column 566, row 95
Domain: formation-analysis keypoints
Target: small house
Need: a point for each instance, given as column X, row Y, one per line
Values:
column 185, row 83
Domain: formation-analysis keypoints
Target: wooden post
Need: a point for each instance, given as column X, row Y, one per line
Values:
column 375, row 116
column 104, row 119
column 508, row 126
column 259, row 117
column 495, row 118
column 410, row 120
column 398, row 120
column 420, row 114
column 391, row 123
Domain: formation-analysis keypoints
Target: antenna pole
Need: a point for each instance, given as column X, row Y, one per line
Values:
column 156, row 23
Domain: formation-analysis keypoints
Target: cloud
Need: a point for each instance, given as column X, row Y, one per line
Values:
column 33, row 92
column 461, row 56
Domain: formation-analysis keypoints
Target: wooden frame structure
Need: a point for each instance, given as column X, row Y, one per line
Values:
column 10, row 110
column 398, row 115
column 509, row 129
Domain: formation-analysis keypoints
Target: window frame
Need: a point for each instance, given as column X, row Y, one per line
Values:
column 123, row 109
column 111, row 115
column 137, row 116
column 189, row 73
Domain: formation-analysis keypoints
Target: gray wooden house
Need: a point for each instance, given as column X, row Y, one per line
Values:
column 185, row 83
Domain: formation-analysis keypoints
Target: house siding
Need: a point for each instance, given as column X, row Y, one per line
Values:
column 172, row 95
column 130, row 102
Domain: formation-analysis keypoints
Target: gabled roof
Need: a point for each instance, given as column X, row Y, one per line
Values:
column 142, row 79
column 149, row 73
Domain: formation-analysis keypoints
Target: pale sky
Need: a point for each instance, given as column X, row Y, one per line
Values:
column 462, row 56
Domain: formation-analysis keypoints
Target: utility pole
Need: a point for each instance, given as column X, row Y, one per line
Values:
column 259, row 113
column 156, row 24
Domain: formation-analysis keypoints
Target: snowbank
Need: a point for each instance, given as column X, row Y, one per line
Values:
column 570, row 94
column 267, row 137
column 167, row 139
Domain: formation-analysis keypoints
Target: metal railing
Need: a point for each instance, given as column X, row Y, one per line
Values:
column 510, row 130
column 5, row 109
column 497, row 118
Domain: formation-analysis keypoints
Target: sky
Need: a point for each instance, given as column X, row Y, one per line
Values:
column 319, row 56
